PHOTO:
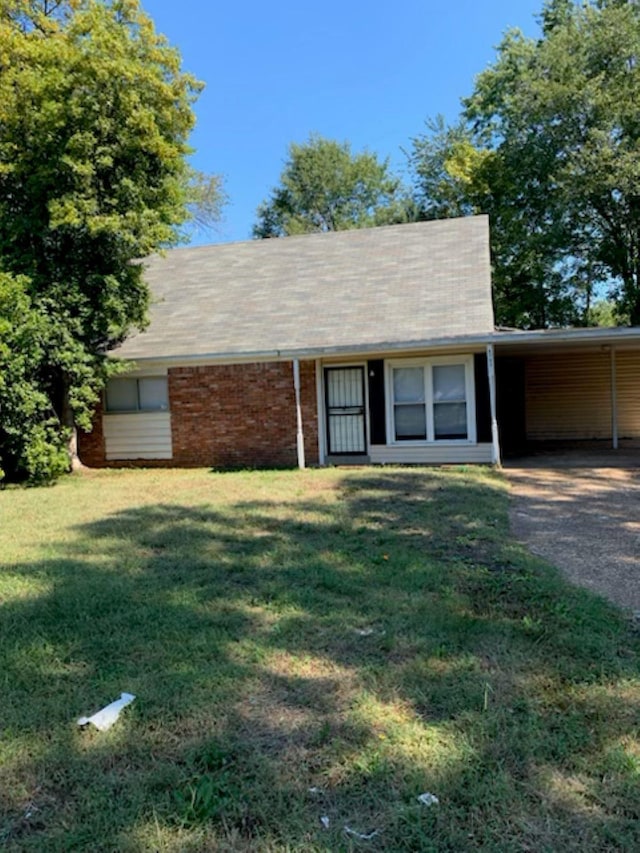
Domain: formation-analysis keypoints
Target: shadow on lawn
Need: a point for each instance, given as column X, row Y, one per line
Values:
column 389, row 643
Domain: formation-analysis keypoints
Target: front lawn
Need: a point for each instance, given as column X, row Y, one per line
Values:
column 303, row 646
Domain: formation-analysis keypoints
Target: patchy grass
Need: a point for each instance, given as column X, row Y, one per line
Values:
column 303, row 645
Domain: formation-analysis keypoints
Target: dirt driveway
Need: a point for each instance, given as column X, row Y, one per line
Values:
column 582, row 513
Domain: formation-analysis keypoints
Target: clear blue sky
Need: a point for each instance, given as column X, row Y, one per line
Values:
column 368, row 72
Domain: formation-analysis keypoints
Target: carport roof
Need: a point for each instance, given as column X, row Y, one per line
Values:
column 416, row 284
column 515, row 340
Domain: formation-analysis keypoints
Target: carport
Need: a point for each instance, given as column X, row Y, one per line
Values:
column 559, row 389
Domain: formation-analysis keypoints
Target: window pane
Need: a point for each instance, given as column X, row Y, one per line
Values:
column 153, row 395
column 448, row 382
column 411, row 422
column 450, row 420
column 408, row 384
column 122, row 395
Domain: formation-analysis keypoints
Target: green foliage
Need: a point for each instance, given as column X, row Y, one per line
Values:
column 32, row 446
column 603, row 313
column 95, row 114
column 325, row 187
column 556, row 139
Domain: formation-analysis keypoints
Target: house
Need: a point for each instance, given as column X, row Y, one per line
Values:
column 373, row 345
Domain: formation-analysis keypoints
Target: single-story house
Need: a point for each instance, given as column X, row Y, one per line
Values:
column 373, row 345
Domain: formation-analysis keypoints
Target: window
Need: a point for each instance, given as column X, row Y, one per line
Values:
column 137, row 395
column 449, row 401
column 431, row 400
column 409, row 403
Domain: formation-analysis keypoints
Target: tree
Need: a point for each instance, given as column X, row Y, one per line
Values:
column 554, row 130
column 324, row 187
column 95, row 115
column 31, row 444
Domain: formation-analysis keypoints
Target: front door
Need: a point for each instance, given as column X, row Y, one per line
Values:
column 344, row 388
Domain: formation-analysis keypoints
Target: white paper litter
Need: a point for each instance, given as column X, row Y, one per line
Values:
column 369, row 632
column 315, row 790
column 106, row 717
column 428, row 799
column 324, row 820
column 361, row 835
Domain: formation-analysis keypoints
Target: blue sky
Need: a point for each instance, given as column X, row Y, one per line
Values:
column 367, row 72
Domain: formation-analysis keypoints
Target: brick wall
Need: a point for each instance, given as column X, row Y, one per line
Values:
column 91, row 444
column 240, row 415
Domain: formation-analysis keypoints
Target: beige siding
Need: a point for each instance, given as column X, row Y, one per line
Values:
column 139, row 435
column 568, row 396
column 628, row 392
column 434, row 454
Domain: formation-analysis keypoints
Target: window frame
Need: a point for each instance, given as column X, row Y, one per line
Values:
column 427, row 364
column 138, row 410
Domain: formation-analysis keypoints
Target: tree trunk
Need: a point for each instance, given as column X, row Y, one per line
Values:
column 72, row 446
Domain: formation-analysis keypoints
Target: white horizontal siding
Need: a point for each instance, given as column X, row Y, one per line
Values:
column 139, row 435
column 432, row 454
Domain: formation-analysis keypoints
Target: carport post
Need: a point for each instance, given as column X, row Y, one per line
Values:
column 299, row 432
column 495, row 440
column 614, row 400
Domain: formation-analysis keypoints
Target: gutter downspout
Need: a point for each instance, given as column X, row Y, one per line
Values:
column 299, row 431
column 614, row 400
column 495, row 439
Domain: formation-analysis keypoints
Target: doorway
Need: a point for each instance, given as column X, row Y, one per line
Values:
column 345, row 407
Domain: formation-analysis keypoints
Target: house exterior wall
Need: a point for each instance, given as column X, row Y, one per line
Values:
column 381, row 446
column 144, row 435
column 628, row 393
column 568, row 396
column 240, row 415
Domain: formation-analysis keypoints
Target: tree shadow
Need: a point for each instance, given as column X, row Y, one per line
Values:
column 584, row 521
column 367, row 648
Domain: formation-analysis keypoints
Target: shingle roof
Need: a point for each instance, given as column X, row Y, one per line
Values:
column 426, row 281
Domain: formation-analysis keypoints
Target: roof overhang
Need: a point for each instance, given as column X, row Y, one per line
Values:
column 505, row 342
column 549, row 340
column 466, row 343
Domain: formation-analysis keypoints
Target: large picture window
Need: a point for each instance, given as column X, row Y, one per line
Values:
column 431, row 400
column 148, row 394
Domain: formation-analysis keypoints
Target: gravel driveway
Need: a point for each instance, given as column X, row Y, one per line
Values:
column 582, row 513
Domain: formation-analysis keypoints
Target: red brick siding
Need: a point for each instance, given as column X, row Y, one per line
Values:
column 91, row 444
column 231, row 416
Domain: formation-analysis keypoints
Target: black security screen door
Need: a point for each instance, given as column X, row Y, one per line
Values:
column 345, row 409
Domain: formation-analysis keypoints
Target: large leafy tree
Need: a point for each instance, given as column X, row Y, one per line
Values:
column 95, row 114
column 549, row 146
column 324, row 186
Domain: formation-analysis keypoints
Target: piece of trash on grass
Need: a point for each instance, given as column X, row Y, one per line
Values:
column 324, row 820
column 315, row 790
column 364, row 632
column 362, row 836
column 428, row 799
column 106, row 717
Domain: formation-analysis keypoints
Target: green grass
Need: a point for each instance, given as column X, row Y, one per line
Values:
column 367, row 634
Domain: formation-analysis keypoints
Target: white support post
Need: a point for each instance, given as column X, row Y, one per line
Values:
column 320, row 415
column 614, row 400
column 495, row 440
column 299, row 432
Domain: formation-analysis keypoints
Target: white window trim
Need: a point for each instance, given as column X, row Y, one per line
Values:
column 469, row 381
